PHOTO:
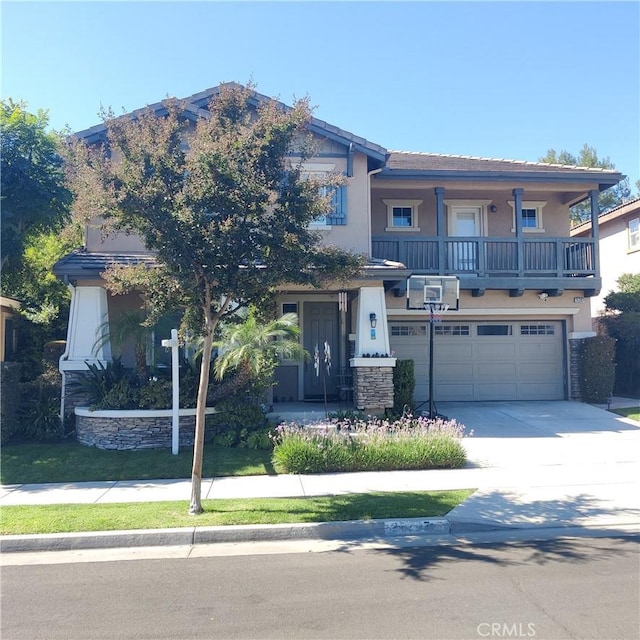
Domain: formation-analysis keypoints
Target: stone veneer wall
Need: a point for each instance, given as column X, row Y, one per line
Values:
column 575, row 344
column 373, row 388
column 73, row 396
column 136, row 432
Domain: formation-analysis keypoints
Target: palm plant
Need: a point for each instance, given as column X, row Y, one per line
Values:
column 252, row 350
column 130, row 327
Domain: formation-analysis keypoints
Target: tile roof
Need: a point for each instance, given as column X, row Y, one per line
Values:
column 626, row 208
column 421, row 161
column 197, row 106
column 84, row 264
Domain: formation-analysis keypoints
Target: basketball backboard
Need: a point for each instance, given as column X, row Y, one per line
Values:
column 425, row 290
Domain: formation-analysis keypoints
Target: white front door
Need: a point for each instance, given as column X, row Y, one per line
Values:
column 464, row 222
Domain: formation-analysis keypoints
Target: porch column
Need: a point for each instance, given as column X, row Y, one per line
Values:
column 88, row 320
column 373, row 365
column 595, row 229
column 517, row 210
column 440, row 227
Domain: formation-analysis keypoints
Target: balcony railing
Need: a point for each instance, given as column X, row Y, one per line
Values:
column 490, row 257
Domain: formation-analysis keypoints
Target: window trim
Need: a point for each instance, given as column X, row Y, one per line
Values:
column 394, row 203
column 538, row 205
column 633, row 246
column 316, row 170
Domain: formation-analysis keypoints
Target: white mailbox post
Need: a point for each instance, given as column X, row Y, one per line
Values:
column 175, row 386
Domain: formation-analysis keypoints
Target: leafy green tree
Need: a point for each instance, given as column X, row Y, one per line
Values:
column 622, row 322
column 34, row 197
column 220, row 207
column 588, row 157
column 35, row 209
column 44, row 298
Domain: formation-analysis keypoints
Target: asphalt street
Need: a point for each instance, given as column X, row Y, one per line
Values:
column 550, row 589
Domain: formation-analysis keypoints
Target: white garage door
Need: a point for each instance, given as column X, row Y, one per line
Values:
column 498, row 360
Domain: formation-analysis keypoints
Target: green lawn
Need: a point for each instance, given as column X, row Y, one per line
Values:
column 631, row 412
column 21, row 520
column 73, row 462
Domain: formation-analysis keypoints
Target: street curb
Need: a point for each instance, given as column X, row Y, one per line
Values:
column 348, row 530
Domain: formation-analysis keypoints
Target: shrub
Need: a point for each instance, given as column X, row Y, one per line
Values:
column 10, row 373
column 103, row 385
column 113, row 386
column 596, row 368
column 404, row 383
column 155, row 394
column 371, row 445
column 239, row 423
column 40, row 411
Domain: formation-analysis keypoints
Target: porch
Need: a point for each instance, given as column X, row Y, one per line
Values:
column 306, row 412
column 513, row 264
column 486, row 257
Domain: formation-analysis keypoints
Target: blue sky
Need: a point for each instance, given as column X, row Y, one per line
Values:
column 494, row 79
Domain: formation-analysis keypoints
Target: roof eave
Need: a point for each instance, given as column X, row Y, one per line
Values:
column 604, row 181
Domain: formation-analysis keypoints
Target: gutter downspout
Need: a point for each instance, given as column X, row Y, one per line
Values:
column 65, row 353
column 369, row 174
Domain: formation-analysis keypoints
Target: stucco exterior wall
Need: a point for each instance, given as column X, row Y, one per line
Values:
column 555, row 214
column 615, row 259
column 112, row 243
column 355, row 235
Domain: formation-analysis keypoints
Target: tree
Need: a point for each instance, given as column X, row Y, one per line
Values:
column 253, row 348
column 621, row 320
column 588, row 157
column 35, row 208
column 225, row 214
column 34, row 197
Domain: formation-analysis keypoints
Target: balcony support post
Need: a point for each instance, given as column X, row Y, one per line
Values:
column 440, row 227
column 517, row 207
column 595, row 230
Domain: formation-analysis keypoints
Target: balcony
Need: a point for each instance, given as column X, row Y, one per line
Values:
column 516, row 264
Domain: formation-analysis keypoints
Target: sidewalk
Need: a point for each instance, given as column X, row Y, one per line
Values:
column 534, row 465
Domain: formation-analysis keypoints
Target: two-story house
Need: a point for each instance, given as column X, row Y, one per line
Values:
column 492, row 235
column 619, row 247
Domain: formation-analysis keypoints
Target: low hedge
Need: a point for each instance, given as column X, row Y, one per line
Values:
column 371, row 445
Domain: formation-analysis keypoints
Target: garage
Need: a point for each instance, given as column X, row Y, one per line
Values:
column 485, row 360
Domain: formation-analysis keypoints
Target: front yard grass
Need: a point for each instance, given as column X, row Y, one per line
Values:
column 33, row 463
column 630, row 412
column 62, row 518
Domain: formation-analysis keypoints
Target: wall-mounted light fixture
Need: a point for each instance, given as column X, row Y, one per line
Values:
column 493, row 208
column 373, row 320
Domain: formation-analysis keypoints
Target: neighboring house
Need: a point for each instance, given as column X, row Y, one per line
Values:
column 500, row 226
column 619, row 247
column 8, row 338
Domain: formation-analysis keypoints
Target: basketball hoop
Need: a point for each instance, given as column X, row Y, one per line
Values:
column 436, row 309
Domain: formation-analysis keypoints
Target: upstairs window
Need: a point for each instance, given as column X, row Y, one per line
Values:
column 338, row 215
column 337, row 195
column 402, row 215
column 634, row 234
column 531, row 216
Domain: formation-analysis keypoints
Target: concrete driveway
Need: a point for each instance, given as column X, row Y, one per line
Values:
column 549, row 463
